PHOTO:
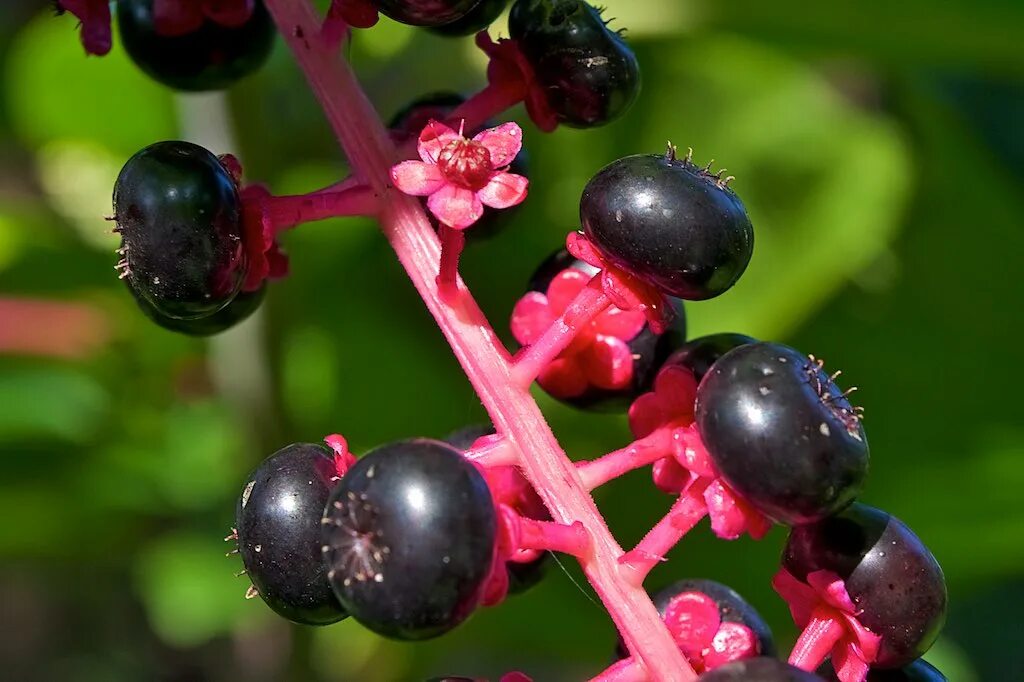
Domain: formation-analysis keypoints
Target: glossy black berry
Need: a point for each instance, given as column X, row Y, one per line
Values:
column 409, row 539
column 892, row 578
column 179, row 215
column 425, row 12
column 697, row 355
column 669, row 223
column 781, row 433
column 208, row 58
column 278, row 526
column 588, row 72
column 239, row 309
column 648, row 350
column 731, row 607
column 478, row 18
column 918, row 671
column 761, row 669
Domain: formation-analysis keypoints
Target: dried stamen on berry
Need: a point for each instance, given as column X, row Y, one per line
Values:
column 356, row 549
column 832, row 397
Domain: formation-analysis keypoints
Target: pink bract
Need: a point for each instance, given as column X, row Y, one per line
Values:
column 266, row 261
column 94, row 16
column 460, row 176
column 508, row 69
column 599, row 356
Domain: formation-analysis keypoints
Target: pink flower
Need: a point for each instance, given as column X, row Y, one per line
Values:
column 94, row 16
column 461, row 176
column 599, row 356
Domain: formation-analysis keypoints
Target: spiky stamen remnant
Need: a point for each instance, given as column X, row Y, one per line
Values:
column 354, row 550
column 671, row 153
column 833, row 397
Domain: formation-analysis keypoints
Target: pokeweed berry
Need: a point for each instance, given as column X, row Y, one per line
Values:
column 610, row 362
column 477, row 19
column 781, row 433
column 669, row 223
column 587, row 71
column 425, row 12
column 698, row 355
column 711, row 637
column 277, row 522
column 207, row 56
column 760, row 669
column 918, row 671
column 179, row 215
column 238, row 310
column 409, row 538
column 894, row 582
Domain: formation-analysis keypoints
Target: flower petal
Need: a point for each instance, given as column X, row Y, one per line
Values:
column 417, row 178
column 503, row 190
column 456, row 207
column 531, row 317
column 503, row 142
column 608, row 362
column 433, row 138
column 563, row 378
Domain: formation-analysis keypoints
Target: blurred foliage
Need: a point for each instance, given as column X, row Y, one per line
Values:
column 877, row 145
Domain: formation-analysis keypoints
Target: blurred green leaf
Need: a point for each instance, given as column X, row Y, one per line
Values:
column 50, row 402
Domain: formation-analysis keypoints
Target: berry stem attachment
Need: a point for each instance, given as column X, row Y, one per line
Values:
column 285, row 212
column 493, row 452
column 487, row 104
column 815, row 643
column 557, row 537
column 687, row 511
column 588, row 304
column 476, row 346
column 639, row 453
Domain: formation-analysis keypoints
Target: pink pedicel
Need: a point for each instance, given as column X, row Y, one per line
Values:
column 696, row 624
column 599, row 356
column 266, row 260
column 828, row 616
column 460, row 176
column 509, row 73
column 94, row 17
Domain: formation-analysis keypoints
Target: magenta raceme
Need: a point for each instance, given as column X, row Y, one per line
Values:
column 411, row 538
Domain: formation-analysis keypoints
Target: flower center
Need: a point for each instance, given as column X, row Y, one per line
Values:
column 466, row 163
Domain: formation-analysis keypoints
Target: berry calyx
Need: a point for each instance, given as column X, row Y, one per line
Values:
column 587, row 72
column 477, row 19
column 668, row 222
column 896, row 587
column 208, row 54
column 278, row 527
column 425, row 12
column 179, row 216
column 611, row 361
column 760, row 669
column 409, row 536
column 781, row 433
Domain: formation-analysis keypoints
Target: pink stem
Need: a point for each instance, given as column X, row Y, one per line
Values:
column 686, row 512
column 639, row 453
column 817, row 640
column 588, row 304
column 485, row 105
column 288, row 211
column 452, row 243
column 476, row 346
column 557, row 537
column 626, row 670
column 495, row 452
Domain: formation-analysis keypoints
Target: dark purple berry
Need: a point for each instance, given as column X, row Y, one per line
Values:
column 761, row 669
column 208, row 58
column 648, row 350
column 731, row 606
column 479, row 18
column 781, row 433
column 588, row 72
column 463, row 439
column 278, row 526
column 238, row 310
column 409, row 539
column 918, row 671
column 697, row 355
column 179, row 215
column 669, row 223
column 892, row 578
column 425, row 12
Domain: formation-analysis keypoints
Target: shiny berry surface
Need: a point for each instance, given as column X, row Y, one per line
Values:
column 918, row 671
column 209, row 58
column 760, row 669
column 409, row 539
column 669, row 223
column 425, row 12
column 278, row 526
column 890, row 575
column 588, row 72
column 697, row 355
column 781, row 433
column 238, row 310
column 478, row 18
column 179, row 216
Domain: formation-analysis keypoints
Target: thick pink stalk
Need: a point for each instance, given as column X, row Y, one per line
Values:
column 639, row 453
column 485, row 361
column 625, row 670
column 288, row 211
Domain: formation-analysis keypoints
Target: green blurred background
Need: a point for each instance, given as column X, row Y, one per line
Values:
column 877, row 144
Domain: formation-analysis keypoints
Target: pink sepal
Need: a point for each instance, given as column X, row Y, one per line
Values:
column 671, row 401
column 693, row 619
column 230, row 13
column 531, row 315
column 433, row 138
column 343, row 457
column 456, row 207
column 731, row 515
column 732, row 642
column 417, row 178
column 504, row 190
column 266, row 261
column 507, row 68
column 354, row 13
column 94, row 16
column 503, row 142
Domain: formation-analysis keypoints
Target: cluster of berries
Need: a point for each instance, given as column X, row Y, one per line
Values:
column 412, row 537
